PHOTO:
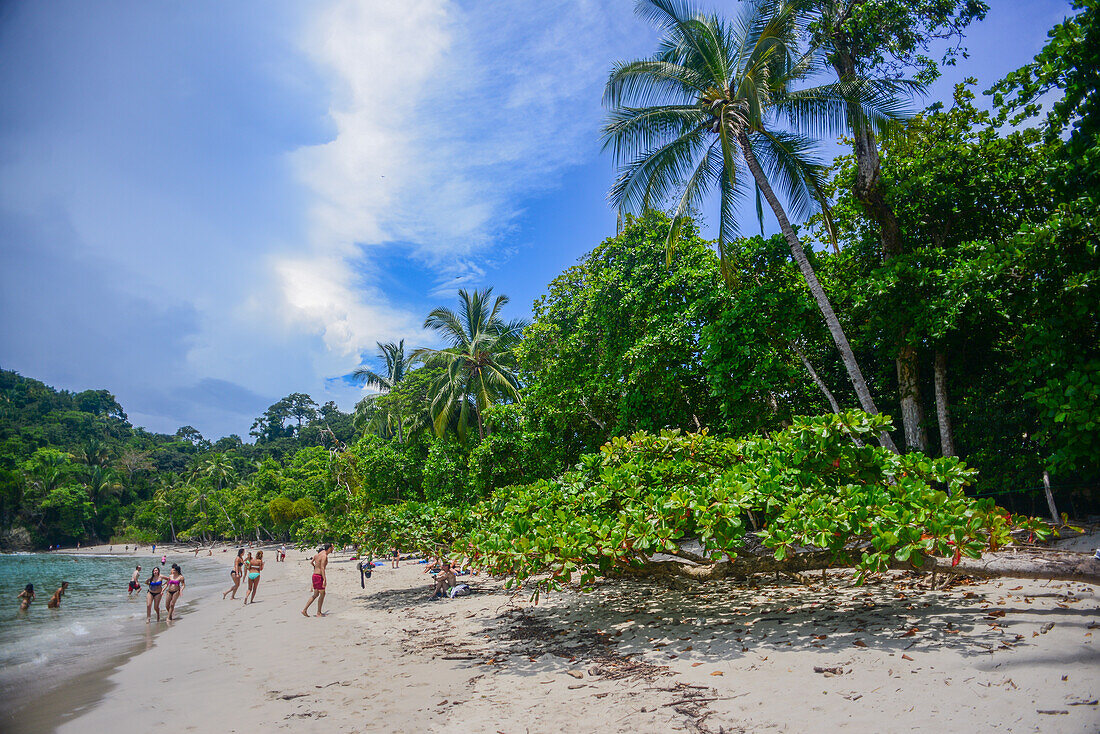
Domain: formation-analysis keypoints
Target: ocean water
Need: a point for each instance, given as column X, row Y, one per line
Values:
column 42, row 648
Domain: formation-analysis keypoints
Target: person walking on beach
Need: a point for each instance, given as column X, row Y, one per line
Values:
column 320, row 579
column 395, row 561
column 135, row 585
column 26, row 596
column 254, row 567
column 235, row 574
column 154, row 548
column 175, row 588
column 55, row 600
column 155, row 585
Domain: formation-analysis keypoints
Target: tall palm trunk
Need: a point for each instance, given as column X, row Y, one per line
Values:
column 863, row 393
column 816, row 378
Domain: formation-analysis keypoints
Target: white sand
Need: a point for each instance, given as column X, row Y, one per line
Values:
column 944, row 661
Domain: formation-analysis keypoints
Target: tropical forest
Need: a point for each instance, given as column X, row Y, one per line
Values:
column 896, row 364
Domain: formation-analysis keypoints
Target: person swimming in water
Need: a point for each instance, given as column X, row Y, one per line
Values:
column 155, row 585
column 26, row 596
column 175, row 585
column 55, row 600
column 254, row 567
column 235, row 574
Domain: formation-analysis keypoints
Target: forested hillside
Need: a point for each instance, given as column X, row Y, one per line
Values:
column 956, row 290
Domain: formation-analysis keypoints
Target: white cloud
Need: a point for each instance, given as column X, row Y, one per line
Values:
column 446, row 115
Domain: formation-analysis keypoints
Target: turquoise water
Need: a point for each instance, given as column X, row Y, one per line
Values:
column 42, row 648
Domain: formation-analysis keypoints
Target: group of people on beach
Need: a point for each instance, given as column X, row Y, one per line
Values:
column 158, row 585
column 246, row 565
column 26, row 596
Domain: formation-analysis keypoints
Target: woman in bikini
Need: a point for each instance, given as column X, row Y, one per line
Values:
column 155, row 585
column 26, row 596
column 175, row 586
column 254, row 568
column 235, row 574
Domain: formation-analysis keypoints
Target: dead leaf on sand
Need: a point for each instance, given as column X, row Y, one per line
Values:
column 860, row 643
column 696, row 665
column 906, row 657
column 717, row 672
column 576, row 674
column 1054, row 712
column 1047, row 627
column 833, row 671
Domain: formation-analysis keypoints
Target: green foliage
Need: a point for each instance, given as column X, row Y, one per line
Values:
column 891, row 38
column 614, row 344
column 810, row 486
column 386, row 470
column 751, row 350
column 446, row 480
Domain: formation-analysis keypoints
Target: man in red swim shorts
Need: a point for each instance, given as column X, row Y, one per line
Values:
column 320, row 563
column 135, row 585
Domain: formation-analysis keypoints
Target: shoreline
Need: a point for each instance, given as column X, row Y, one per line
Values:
column 50, row 707
column 626, row 657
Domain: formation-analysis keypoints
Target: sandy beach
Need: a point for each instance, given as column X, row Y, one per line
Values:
column 893, row 655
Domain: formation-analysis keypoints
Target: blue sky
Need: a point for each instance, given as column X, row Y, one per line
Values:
column 207, row 206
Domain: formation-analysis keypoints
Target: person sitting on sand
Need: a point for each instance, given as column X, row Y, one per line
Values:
column 320, row 579
column 26, row 596
column 155, row 586
column 55, row 600
column 175, row 588
column 235, row 574
column 444, row 580
column 135, row 585
column 254, row 567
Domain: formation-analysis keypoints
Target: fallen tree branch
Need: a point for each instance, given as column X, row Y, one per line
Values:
column 1047, row 565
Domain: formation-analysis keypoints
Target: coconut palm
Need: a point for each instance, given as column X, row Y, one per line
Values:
column 218, row 469
column 163, row 502
column 397, row 366
column 479, row 363
column 717, row 106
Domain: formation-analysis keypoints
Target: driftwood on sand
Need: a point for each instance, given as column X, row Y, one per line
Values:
column 1024, row 563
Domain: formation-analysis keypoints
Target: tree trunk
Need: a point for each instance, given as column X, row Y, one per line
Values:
column 831, row 321
column 1044, row 565
column 817, row 380
column 912, row 414
column 867, row 189
column 1050, row 499
column 943, row 415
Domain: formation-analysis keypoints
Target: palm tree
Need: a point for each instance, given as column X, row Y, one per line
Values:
column 397, row 366
column 102, row 483
column 710, row 104
column 479, row 363
column 218, row 469
column 161, row 500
